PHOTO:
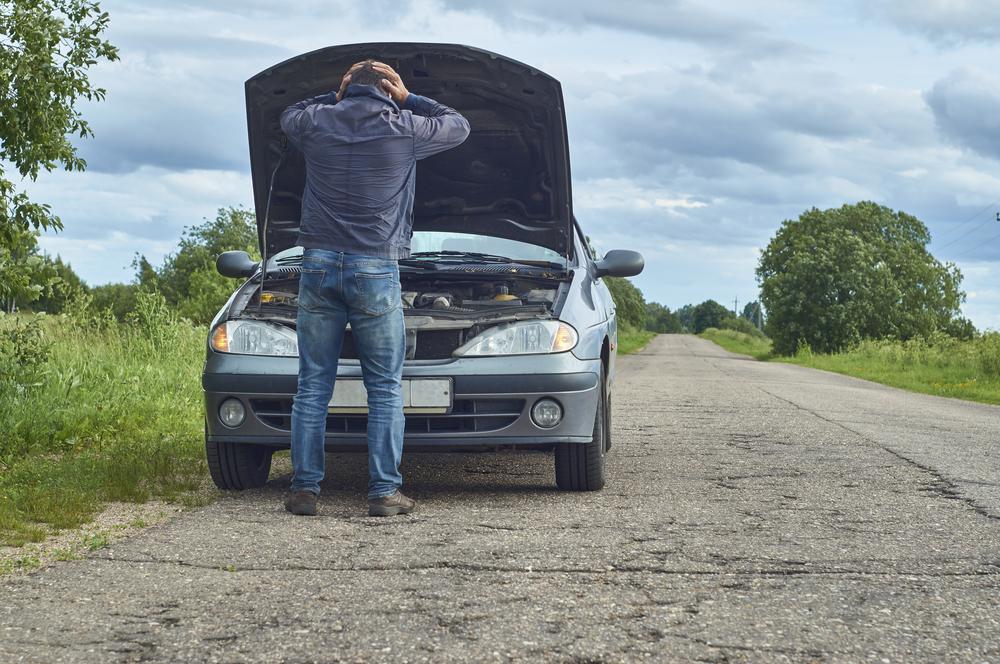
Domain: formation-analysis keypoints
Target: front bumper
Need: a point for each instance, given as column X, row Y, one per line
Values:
column 492, row 401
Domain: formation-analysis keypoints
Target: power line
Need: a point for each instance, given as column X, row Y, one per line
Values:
column 995, row 237
column 971, row 230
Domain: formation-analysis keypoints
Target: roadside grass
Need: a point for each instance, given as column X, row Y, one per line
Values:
column 942, row 366
column 632, row 339
column 94, row 411
column 739, row 342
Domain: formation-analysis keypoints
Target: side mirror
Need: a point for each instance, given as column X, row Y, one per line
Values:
column 620, row 263
column 235, row 264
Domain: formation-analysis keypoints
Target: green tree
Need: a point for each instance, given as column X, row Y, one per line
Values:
column 65, row 288
column 686, row 316
column 46, row 50
column 709, row 314
column 863, row 271
column 25, row 275
column 660, row 319
column 629, row 303
column 188, row 278
column 754, row 312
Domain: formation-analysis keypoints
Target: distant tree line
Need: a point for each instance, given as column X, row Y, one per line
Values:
column 186, row 279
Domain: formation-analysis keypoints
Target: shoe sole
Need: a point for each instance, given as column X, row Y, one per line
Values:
column 381, row 510
column 301, row 512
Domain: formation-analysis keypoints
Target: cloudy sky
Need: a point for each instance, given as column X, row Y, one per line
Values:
column 694, row 129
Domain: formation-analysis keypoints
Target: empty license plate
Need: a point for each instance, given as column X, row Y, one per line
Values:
column 420, row 395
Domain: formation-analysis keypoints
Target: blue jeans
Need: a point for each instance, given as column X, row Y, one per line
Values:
column 335, row 289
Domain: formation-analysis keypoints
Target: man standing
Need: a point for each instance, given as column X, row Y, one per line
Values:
column 360, row 146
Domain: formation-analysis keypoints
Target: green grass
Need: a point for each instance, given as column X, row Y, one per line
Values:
column 111, row 412
column 942, row 366
column 738, row 342
column 632, row 340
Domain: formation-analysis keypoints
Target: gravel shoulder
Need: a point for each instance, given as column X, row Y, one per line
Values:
column 755, row 512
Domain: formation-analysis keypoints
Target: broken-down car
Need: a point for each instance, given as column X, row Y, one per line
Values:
column 510, row 329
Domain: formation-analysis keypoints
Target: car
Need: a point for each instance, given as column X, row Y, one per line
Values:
column 511, row 331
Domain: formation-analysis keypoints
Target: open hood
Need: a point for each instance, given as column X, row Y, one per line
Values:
column 509, row 179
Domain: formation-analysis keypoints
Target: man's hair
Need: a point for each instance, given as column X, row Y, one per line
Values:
column 366, row 75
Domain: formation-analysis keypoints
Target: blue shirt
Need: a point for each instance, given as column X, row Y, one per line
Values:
column 361, row 155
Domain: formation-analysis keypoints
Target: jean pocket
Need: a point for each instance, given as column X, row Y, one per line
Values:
column 310, row 284
column 378, row 293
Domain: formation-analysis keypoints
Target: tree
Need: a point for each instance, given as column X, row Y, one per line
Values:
column 863, row 271
column 188, row 278
column 753, row 312
column 46, row 49
column 709, row 314
column 65, row 288
column 660, row 319
column 629, row 303
column 25, row 275
column 686, row 316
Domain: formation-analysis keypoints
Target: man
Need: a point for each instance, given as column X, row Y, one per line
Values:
column 360, row 146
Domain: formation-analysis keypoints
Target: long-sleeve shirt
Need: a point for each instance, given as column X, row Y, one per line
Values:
column 361, row 155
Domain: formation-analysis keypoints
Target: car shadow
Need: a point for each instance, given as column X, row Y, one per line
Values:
column 434, row 473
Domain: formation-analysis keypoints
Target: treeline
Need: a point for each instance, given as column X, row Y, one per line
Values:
column 635, row 311
column 186, row 280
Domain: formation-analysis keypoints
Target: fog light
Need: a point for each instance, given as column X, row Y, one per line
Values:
column 231, row 412
column 546, row 413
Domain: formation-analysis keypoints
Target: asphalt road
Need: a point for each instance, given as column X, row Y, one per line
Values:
column 755, row 512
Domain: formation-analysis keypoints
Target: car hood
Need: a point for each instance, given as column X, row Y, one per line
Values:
column 509, row 179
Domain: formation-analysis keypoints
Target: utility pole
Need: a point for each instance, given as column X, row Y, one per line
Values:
column 736, row 306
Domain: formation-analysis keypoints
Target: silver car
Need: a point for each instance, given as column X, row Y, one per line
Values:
column 510, row 329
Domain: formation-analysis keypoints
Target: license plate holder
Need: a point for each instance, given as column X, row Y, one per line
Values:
column 428, row 396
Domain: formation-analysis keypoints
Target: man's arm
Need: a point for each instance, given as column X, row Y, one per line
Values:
column 436, row 127
column 294, row 119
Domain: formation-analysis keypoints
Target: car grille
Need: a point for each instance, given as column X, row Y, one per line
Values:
column 429, row 345
column 466, row 416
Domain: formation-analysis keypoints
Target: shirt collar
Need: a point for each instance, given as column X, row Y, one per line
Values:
column 358, row 90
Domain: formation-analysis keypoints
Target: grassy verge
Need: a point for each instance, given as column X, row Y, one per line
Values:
column 632, row 340
column 738, row 342
column 94, row 411
column 942, row 366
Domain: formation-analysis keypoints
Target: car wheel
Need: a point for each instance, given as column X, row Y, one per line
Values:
column 580, row 466
column 238, row 466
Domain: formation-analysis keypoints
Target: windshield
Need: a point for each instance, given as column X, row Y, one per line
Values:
column 436, row 241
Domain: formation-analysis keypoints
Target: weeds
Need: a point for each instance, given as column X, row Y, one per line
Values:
column 94, row 410
column 941, row 365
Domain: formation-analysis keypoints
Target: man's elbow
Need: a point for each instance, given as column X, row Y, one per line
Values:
column 462, row 130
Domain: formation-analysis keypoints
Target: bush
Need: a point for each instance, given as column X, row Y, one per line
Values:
column 24, row 352
column 741, row 325
column 989, row 354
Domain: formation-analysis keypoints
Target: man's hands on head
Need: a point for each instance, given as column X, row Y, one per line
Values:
column 344, row 82
column 392, row 83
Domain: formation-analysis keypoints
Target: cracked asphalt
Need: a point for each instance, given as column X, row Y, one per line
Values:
column 754, row 512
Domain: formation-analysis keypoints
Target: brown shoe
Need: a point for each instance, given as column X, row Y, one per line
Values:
column 392, row 505
column 302, row 503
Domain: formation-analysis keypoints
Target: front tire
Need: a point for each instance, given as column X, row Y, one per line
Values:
column 580, row 466
column 238, row 466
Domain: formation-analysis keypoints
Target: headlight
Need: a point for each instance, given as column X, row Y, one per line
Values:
column 523, row 338
column 251, row 337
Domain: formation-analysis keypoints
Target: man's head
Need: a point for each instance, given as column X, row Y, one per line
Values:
column 365, row 74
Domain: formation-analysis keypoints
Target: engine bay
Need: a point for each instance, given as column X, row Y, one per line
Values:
column 441, row 313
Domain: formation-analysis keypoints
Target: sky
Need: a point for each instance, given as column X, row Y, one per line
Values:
column 695, row 127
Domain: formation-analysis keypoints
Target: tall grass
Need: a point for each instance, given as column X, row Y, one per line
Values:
column 941, row 365
column 93, row 410
column 632, row 339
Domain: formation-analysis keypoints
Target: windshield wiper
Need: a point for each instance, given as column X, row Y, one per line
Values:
column 475, row 256
column 462, row 254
